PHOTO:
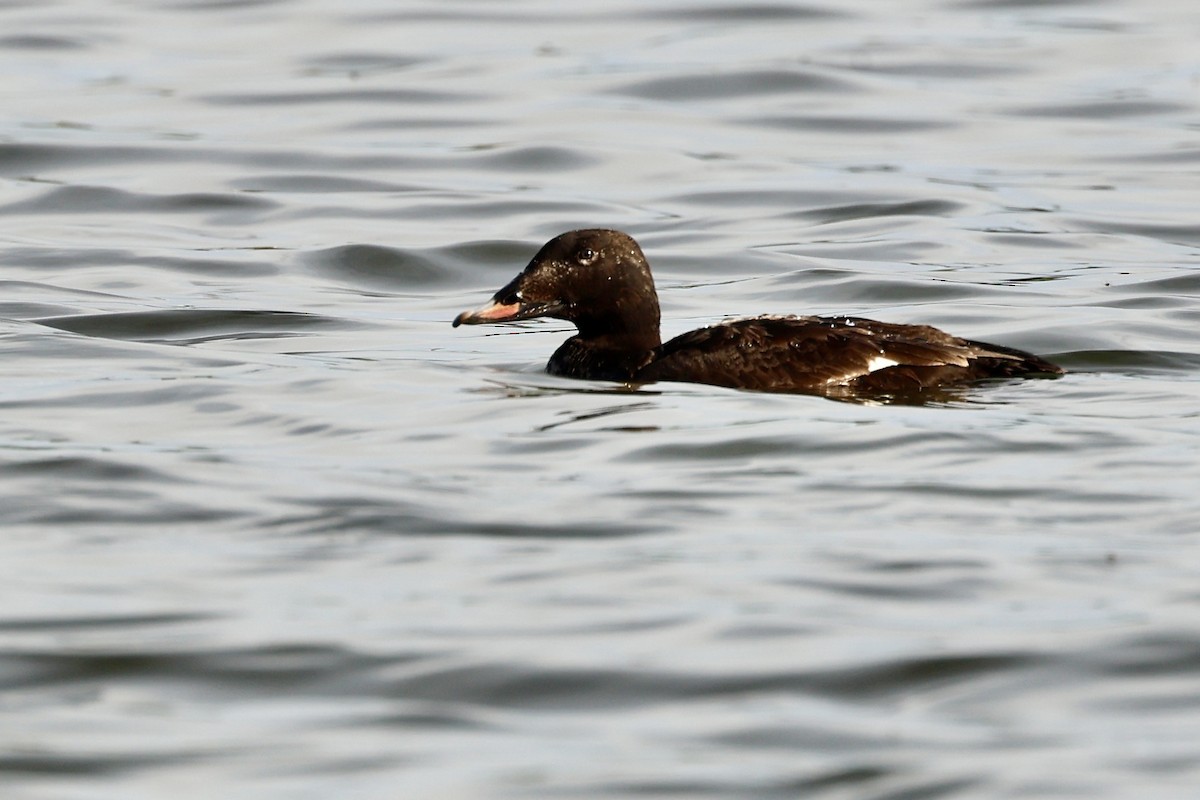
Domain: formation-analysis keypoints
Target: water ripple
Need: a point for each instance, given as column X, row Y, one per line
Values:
column 523, row 686
column 739, row 84
column 191, row 326
column 101, row 199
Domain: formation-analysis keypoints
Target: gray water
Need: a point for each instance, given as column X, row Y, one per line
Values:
column 272, row 529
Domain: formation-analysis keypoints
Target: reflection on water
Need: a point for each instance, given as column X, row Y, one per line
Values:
column 272, row 529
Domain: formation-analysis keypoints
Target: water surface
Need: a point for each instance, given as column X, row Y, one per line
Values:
column 271, row 528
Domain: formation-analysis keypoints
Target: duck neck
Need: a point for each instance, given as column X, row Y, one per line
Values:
column 624, row 329
column 611, row 346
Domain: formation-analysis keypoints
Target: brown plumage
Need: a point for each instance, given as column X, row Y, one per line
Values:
column 600, row 281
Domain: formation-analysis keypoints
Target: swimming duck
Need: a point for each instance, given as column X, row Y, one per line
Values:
column 599, row 280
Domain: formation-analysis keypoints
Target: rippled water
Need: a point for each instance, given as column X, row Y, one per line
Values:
column 271, row 528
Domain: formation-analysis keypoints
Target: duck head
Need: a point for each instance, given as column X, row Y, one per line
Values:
column 597, row 279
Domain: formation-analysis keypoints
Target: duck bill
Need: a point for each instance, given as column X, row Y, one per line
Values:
column 495, row 311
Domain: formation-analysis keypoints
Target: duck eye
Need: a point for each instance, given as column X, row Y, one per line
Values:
column 586, row 256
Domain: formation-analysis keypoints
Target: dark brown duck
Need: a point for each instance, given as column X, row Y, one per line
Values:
column 599, row 281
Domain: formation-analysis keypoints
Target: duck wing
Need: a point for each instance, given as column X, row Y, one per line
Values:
column 830, row 355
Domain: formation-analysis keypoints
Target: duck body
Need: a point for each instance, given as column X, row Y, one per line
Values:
column 599, row 280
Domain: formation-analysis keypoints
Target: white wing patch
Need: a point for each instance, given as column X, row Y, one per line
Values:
column 881, row 362
column 874, row 365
